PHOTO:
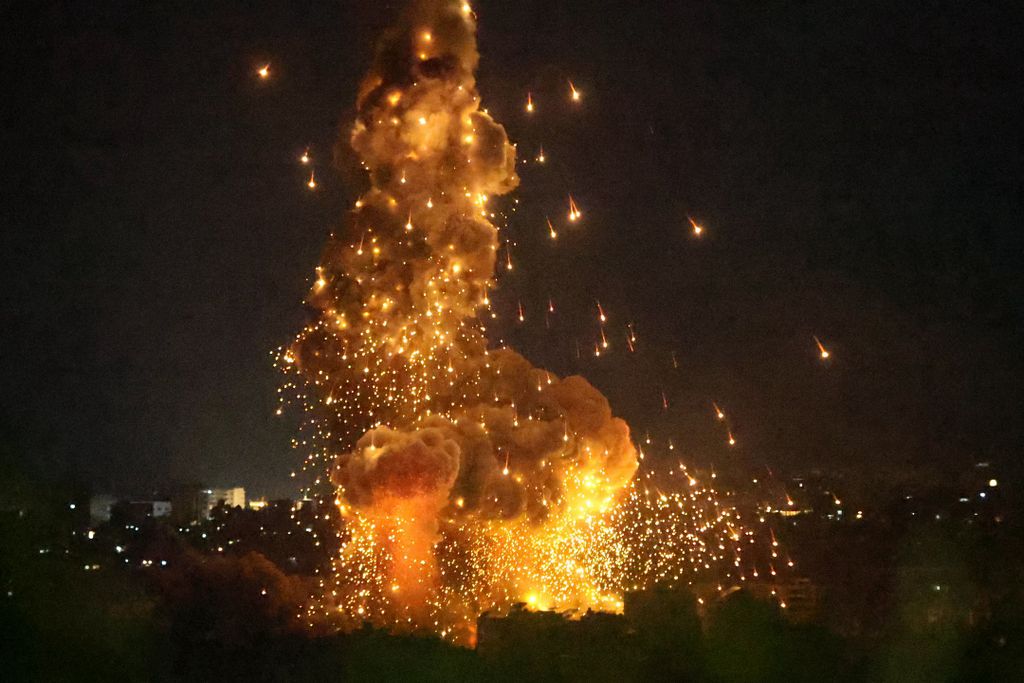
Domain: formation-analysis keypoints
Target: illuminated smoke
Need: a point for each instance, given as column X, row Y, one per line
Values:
column 467, row 479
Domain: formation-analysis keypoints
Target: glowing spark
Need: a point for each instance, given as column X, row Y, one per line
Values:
column 697, row 229
column 574, row 94
column 574, row 211
column 718, row 411
column 305, row 156
column 551, row 230
column 540, row 155
column 264, row 71
column 732, row 441
column 821, row 349
column 312, row 181
column 529, row 103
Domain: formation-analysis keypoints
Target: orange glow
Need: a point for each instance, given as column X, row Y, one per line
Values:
column 821, row 349
column 574, row 211
column 697, row 229
column 264, row 71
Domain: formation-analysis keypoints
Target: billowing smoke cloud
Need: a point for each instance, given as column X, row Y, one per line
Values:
column 425, row 429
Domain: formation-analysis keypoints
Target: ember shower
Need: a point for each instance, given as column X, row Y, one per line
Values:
column 466, row 478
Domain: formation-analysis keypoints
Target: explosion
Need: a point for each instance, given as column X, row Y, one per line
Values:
column 466, row 479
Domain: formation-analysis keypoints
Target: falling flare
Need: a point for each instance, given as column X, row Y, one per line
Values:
column 264, row 71
column 529, row 103
column 697, row 229
column 312, row 180
column 551, row 229
column 540, row 155
column 305, row 158
column 574, row 211
column 574, row 94
column 718, row 411
column 732, row 441
column 821, row 349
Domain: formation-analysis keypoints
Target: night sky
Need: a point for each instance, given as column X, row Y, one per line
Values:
column 857, row 169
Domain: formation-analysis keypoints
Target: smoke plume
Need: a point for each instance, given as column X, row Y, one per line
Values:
column 467, row 478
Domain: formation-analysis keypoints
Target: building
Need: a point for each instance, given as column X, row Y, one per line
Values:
column 99, row 508
column 524, row 630
column 135, row 513
column 230, row 497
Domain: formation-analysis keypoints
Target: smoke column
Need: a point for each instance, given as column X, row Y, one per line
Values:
column 447, row 456
column 467, row 479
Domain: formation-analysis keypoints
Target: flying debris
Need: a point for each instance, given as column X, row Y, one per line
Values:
column 574, row 211
column 540, row 155
column 718, row 411
column 305, row 158
column 821, row 349
column 551, row 230
column 522, row 315
column 312, row 180
column 732, row 440
column 600, row 312
column 574, row 94
column 529, row 103
column 264, row 71
column 697, row 229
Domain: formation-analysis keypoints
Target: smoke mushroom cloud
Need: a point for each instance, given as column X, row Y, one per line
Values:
column 467, row 479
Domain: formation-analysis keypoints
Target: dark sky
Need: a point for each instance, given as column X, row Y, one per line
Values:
column 857, row 167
